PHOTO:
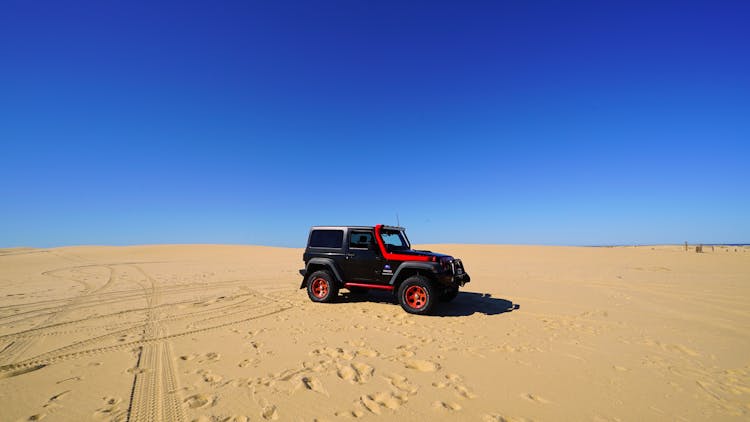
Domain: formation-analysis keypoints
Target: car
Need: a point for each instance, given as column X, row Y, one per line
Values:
column 363, row 258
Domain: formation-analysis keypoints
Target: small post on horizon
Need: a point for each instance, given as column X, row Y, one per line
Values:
column 686, row 247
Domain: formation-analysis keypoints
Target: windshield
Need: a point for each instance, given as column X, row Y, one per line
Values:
column 395, row 241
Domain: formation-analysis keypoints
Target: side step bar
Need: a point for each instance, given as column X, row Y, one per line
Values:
column 370, row 286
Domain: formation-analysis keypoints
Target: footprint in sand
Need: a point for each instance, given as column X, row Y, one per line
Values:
column 464, row 392
column 347, row 373
column 401, row 383
column 210, row 357
column 322, row 366
column 406, row 351
column 422, row 365
column 494, row 417
column 198, row 401
column 234, row 418
column 454, row 378
column 269, row 413
column 388, row 399
column 309, row 383
column 455, row 381
column 441, row 405
column 111, row 409
column 350, row 414
column 249, row 362
column 337, row 353
column 209, row 376
column 262, row 381
column 56, row 398
column 534, row 398
column 375, row 404
column 370, row 404
column 356, row 373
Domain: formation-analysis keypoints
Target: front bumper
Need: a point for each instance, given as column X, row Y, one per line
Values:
column 455, row 275
column 448, row 280
column 461, row 279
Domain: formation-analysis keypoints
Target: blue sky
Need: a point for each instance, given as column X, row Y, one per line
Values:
column 547, row 122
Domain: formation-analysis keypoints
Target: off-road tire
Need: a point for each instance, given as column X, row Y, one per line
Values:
column 449, row 294
column 417, row 295
column 321, row 287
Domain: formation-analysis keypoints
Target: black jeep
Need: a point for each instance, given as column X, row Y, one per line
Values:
column 360, row 258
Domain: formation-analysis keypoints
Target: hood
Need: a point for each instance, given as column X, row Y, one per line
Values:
column 425, row 253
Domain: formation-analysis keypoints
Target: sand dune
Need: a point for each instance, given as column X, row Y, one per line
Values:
column 214, row 333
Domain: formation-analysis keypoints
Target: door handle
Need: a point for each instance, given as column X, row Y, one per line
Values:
column 349, row 255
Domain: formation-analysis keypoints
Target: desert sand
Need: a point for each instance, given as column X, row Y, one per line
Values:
column 214, row 333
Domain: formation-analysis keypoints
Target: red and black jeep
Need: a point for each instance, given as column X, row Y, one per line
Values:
column 360, row 258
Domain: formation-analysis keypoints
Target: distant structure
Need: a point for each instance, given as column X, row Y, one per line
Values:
column 686, row 246
column 699, row 249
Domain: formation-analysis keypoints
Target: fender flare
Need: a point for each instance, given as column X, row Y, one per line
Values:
column 326, row 262
column 425, row 266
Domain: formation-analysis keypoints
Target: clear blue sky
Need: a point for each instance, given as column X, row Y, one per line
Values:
column 542, row 122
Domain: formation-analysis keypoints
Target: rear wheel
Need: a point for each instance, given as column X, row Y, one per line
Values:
column 321, row 287
column 416, row 295
column 449, row 294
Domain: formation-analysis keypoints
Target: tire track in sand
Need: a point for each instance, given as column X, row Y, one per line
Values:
column 157, row 315
column 54, row 329
column 13, row 351
column 43, row 360
column 118, row 336
column 155, row 385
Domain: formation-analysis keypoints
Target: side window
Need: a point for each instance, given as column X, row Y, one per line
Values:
column 326, row 239
column 360, row 240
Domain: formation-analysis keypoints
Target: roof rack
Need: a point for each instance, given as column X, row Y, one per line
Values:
column 393, row 227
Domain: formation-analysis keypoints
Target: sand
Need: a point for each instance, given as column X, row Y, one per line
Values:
column 214, row 333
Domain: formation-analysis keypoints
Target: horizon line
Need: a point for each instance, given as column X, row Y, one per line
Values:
column 602, row 245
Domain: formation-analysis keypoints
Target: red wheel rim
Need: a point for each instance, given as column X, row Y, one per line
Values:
column 319, row 288
column 416, row 297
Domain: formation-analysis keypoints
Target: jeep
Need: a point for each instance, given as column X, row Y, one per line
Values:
column 362, row 258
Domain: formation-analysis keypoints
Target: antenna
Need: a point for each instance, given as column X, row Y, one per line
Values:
column 398, row 223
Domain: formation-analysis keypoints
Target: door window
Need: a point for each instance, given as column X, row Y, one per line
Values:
column 360, row 240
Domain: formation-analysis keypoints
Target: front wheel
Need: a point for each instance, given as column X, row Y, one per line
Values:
column 321, row 287
column 416, row 295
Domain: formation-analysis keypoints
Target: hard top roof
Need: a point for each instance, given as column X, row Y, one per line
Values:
column 354, row 227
